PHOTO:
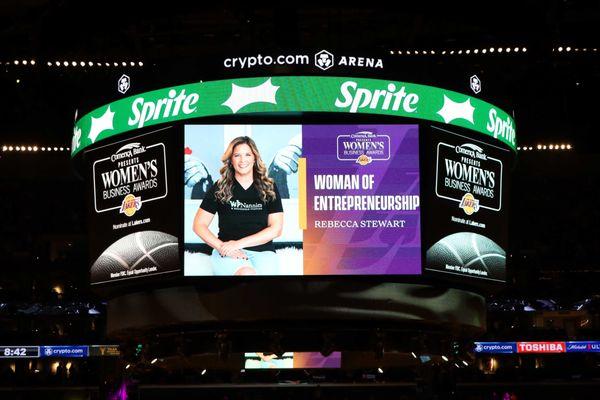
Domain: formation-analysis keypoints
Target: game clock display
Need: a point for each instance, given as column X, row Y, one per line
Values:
column 19, row 352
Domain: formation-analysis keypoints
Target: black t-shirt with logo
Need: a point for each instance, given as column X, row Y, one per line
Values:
column 244, row 215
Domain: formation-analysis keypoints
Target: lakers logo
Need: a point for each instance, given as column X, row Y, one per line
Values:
column 363, row 159
column 130, row 205
column 469, row 204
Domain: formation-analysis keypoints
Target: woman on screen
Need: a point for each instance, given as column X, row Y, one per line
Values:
column 250, row 214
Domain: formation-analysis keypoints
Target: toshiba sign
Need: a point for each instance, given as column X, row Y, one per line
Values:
column 541, row 347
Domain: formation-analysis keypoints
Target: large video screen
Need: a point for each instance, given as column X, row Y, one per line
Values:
column 292, row 360
column 297, row 176
column 465, row 201
column 301, row 200
column 134, row 224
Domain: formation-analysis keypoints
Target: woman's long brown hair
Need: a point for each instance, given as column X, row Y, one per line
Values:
column 262, row 182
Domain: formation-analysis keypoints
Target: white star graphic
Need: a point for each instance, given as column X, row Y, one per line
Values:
column 242, row 96
column 101, row 124
column 452, row 110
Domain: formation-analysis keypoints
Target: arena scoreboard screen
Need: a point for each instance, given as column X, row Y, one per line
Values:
column 354, row 177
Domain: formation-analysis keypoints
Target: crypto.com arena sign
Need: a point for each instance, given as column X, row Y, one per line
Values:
column 284, row 94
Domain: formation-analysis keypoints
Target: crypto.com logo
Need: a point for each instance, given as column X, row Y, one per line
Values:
column 324, row 60
column 475, row 84
column 124, row 84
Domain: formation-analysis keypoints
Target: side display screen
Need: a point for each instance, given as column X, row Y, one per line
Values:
column 466, row 206
column 133, row 220
column 301, row 200
column 291, row 360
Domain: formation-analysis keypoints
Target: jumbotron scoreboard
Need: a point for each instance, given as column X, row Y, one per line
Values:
column 377, row 177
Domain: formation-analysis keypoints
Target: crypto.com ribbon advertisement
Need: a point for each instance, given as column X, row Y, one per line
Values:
column 362, row 200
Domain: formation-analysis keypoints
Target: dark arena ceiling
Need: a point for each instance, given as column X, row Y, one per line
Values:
column 549, row 91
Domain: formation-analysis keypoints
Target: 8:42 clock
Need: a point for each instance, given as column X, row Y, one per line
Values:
column 19, row 351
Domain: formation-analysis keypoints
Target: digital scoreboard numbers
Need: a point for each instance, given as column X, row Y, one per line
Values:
column 19, row 352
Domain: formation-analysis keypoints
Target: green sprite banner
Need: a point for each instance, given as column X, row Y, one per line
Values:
column 293, row 94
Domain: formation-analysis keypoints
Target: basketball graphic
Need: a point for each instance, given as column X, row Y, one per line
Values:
column 136, row 254
column 468, row 253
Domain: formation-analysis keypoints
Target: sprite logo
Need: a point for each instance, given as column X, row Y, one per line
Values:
column 390, row 98
column 500, row 127
column 170, row 106
column 292, row 94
